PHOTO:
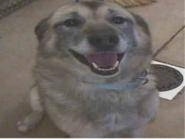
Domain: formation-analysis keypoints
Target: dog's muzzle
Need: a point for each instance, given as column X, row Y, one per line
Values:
column 104, row 59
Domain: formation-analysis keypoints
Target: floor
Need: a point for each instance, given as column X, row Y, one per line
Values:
column 17, row 51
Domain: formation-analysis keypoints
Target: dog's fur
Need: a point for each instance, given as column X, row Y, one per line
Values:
column 70, row 91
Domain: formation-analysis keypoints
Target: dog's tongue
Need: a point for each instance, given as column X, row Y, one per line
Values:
column 103, row 59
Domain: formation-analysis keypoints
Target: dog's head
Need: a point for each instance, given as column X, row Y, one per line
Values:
column 97, row 37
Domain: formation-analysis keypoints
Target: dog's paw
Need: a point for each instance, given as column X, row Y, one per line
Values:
column 30, row 122
column 22, row 127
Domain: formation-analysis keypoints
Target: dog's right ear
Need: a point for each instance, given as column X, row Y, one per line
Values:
column 142, row 23
column 41, row 28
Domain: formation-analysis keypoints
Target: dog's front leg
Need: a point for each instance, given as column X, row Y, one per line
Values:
column 35, row 116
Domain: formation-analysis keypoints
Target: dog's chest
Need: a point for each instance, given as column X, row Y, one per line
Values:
column 109, row 110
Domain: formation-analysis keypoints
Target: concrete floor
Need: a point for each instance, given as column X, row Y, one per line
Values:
column 17, row 51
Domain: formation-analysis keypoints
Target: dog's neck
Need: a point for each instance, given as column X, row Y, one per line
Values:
column 139, row 80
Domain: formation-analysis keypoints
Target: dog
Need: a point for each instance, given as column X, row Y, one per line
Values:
column 92, row 72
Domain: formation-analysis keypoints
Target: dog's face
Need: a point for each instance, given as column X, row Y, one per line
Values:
column 102, row 38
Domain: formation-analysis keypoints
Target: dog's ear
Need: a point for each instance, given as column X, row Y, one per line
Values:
column 41, row 28
column 142, row 23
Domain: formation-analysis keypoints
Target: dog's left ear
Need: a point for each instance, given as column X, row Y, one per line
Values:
column 142, row 23
column 41, row 28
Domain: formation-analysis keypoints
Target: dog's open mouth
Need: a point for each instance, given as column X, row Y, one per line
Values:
column 103, row 63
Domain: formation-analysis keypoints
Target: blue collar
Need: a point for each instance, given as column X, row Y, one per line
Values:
column 141, row 79
column 119, row 87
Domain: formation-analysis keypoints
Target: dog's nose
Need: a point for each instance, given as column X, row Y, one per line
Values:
column 104, row 40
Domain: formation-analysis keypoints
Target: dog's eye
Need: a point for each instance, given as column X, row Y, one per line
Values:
column 118, row 20
column 72, row 22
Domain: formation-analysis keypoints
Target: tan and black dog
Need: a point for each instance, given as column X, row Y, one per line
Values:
column 92, row 72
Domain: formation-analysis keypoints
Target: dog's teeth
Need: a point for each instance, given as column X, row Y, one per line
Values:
column 95, row 65
column 101, row 69
column 116, row 64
